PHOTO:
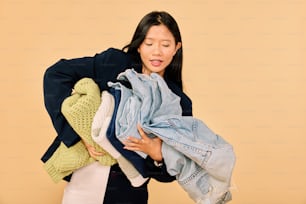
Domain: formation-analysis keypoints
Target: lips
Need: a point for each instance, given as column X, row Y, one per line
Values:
column 156, row 62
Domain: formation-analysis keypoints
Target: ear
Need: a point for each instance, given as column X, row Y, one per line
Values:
column 178, row 46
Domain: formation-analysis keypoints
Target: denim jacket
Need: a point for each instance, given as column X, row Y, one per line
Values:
column 201, row 160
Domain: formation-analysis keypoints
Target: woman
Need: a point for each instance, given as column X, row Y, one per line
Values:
column 155, row 47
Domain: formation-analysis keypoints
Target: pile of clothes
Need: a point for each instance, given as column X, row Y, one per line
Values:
column 201, row 160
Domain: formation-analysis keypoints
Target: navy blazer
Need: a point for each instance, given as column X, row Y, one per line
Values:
column 60, row 78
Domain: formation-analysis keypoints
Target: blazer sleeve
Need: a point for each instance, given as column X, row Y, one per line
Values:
column 58, row 82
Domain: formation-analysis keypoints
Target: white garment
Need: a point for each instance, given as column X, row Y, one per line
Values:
column 87, row 185
column 99, row 127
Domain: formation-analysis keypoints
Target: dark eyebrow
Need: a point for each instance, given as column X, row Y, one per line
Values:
column 161, row 40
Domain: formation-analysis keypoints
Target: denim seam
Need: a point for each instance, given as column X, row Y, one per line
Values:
column 205, row 153
column 191, row 177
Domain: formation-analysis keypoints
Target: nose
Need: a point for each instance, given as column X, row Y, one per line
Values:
column 157, row 50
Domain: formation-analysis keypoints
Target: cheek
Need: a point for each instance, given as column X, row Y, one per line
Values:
column 169, row 55
column 143, row 52
column 170, row 51
column 143, row 57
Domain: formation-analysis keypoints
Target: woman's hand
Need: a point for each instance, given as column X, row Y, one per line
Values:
column 150, row 146
column 92, row 151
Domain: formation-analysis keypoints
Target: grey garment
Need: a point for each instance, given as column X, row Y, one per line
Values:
column 201, row 160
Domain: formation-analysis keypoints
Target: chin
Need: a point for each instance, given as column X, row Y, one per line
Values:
column 157, row 69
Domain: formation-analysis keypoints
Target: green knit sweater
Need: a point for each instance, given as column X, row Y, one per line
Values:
column 79, row 110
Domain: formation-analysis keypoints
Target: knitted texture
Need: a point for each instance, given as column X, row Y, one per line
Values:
column 65, row 160
column 79, row 110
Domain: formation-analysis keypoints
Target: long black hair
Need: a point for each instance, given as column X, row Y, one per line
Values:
column 174, row 70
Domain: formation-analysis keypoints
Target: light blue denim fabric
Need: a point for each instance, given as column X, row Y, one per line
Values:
column 201, row 160
column 149, row 98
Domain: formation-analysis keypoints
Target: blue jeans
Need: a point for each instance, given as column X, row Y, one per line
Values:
column 201, row 160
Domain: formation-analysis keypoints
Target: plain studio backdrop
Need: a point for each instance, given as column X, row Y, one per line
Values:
column 244, row 68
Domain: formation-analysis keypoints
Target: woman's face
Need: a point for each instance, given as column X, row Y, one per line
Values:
column 157, row 50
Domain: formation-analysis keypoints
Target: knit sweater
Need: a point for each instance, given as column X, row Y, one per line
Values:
column 79, row 110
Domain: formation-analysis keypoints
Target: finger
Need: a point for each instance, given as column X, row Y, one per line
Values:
column 95, row 156
column 93, row 151
column 87, row 145
column 141, row 132
column 132, row 144
column 91, row 154
column 134, row 140
column 97, row 153
column 132, row 148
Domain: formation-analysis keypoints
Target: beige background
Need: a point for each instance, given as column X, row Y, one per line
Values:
column 244, row 68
